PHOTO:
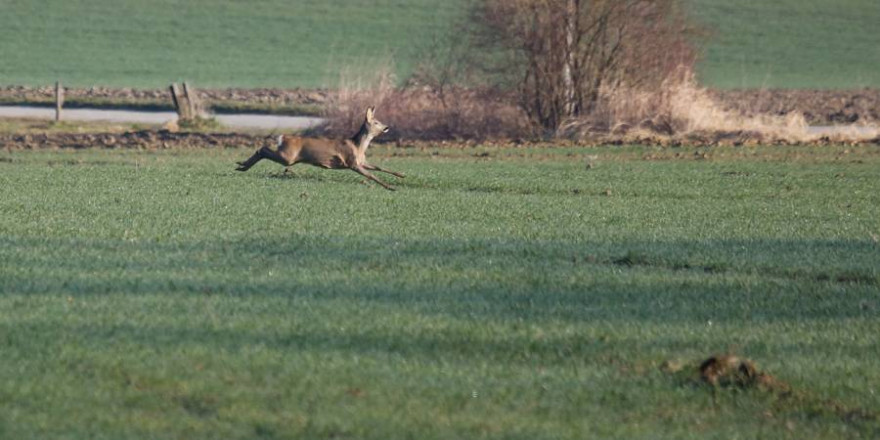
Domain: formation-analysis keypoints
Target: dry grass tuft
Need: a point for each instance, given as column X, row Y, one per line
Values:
column 682, row 110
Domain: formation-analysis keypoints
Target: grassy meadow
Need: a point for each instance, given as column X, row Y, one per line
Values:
column 790, row 43
column 214, row 43
column 500, row 293
column 315, row 43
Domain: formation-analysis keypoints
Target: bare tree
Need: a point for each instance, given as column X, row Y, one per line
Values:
column 560, row 54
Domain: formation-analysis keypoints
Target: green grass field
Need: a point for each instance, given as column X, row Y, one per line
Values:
column 213, row 43
column 790, row 43
column 312, row 43
column 517, row 293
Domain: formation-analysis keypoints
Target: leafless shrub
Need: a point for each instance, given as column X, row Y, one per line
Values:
column 580, row 69
column 562, row 56
column 424, row 110
column 512, row 69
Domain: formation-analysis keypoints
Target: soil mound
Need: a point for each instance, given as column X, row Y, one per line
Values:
column 732, row 371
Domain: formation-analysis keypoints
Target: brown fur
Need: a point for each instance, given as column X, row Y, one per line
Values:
column 327, row 153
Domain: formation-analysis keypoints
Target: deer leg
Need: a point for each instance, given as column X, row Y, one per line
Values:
column 246, row 165
column 376, row 168
column 265, row 153
column 362, row 171
column 276, row 156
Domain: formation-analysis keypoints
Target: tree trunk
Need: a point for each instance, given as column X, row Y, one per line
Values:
column 571, row 19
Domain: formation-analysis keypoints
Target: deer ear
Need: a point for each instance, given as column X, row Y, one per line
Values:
column 370, row 111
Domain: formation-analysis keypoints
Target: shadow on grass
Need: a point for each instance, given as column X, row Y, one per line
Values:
column 487, row 279
column 297, row 173
column 611, row 307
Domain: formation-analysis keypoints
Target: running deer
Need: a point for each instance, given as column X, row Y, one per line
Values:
column 328, row 153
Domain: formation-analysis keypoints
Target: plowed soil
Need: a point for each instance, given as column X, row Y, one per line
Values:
column 146, row 139
column 819, row 107
column 164, row 139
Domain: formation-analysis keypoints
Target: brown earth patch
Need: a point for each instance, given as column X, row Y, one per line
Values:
column 819, row 107
column 271, row 100
column 162, row 139
column 707, row 138
column 146, row 139
column 730, row 372
column 264, row 95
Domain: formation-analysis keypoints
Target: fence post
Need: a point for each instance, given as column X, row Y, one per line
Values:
column 186, row 102
column 59, row 100
column 171, row 89
column 192, row 101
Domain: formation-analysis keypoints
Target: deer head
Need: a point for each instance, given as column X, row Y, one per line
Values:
column 373, row 126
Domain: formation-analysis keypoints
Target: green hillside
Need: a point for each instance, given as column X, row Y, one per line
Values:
column 307, row 43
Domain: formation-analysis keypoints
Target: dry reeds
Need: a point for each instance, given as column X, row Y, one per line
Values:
column 423, row 112
column 678, row 111
column 681, row 108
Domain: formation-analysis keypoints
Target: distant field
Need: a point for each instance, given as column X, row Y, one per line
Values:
column 308, row 43
column 212, row 43
column 791, row 43
column 499, row 294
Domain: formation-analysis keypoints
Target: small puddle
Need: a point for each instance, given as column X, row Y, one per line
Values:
column 243, row 120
